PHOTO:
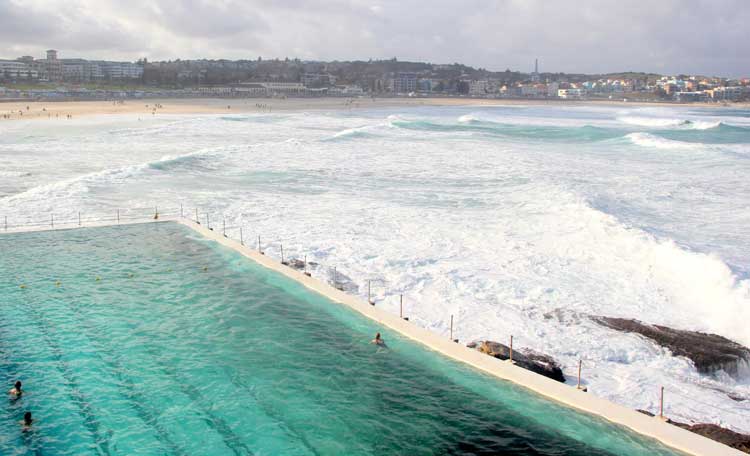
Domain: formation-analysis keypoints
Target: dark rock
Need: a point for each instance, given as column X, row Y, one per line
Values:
column 709, row 352
column 296, row 264
column 711, row 431
column 342, row 282
column 727, row 437
column 528, row 359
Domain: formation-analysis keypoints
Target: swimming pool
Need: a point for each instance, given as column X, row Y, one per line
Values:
column 148, row 339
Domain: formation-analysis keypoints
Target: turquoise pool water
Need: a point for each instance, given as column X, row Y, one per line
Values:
column 156, row 341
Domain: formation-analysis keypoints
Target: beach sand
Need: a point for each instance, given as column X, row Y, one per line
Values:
column 153, row 107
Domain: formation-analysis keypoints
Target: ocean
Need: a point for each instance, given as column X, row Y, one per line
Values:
column 516, row 220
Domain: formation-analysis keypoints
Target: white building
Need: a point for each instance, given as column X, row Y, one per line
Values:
column 728, row 93
column 121, row 70
column 284, row 88
column 479, row 88
column 404, row 83
column 570, row 93
column 13, row 69
column 251, row 90
column 552, row 89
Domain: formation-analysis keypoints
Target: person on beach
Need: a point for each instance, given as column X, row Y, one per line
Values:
column 27, row 422
column 378, row 340
column 16, row 392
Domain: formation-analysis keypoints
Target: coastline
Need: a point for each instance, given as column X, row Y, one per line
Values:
column 185, row 106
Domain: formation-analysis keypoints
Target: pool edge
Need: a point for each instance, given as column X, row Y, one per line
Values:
column 652, row 427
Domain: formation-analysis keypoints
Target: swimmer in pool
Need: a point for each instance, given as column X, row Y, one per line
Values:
column 378, row 340
column 27, row 422
column 16, row 392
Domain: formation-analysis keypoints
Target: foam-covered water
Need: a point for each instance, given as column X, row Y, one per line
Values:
column 517, row 220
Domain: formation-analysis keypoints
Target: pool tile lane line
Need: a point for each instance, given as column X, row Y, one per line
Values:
column 653, row 427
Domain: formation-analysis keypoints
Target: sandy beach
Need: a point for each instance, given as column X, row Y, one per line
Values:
column 152, row 107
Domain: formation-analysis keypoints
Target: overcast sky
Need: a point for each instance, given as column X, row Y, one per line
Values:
column 664, row 36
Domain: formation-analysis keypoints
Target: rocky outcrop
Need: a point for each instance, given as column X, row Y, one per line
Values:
column 726, row 436
column 342, row 282
column 709, row 352
column 296, row 263
column 528, row 359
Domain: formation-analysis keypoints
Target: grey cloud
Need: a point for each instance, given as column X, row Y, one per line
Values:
column 692, row 36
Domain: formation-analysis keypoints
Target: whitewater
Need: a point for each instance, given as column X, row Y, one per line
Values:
column 519, row 220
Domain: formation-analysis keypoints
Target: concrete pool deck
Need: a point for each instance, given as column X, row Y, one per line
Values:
column 653, row 427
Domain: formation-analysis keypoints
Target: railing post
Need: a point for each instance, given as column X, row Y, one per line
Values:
column 79, row 218
column 224, row 227
column 579, row 374
column 304, row 266
column 259, row 249
column 181, row 213
column 511, row 349
column 118, row 216
column 400, row 306
column 242, row 240
column 281, row 246
column 369, row 294
column 661, row 403
column 52, row 220
column 196, row 217
column 156, row 213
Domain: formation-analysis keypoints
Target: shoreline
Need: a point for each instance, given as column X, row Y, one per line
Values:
column 29, row 110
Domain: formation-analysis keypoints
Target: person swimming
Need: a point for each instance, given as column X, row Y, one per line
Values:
column 378, row 340
column 27, row 422
column 16, row 392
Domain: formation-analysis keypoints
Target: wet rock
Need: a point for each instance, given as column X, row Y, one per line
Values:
column 296, row 264
column 709, row 352
column 528, row 359
column 726, row 436
column 342, row 282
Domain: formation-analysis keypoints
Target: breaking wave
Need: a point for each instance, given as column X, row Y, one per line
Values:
column 657, row 142
column 652, row 122
column 15, row 174
column 471, row 124
column 665, row 123
column 355, row 132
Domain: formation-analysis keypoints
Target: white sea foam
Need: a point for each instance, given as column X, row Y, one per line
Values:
column 14, row 173
column 509, row 237
column 467, row 118
column 657, row 142
column 652, row 122
column 704, row 125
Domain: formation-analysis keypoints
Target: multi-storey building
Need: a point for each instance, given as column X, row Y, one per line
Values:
column 54, row 67
column 404, row 83
column 13, row 69
column 121, row 70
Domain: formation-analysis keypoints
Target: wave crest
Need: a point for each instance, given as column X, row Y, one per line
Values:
column 657, row 142
column 668, row 123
